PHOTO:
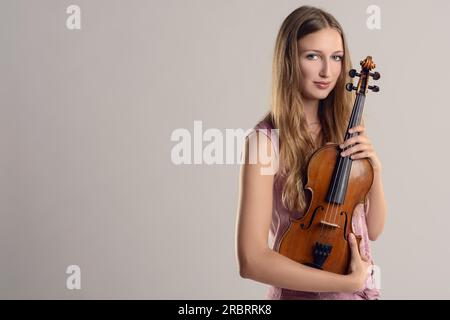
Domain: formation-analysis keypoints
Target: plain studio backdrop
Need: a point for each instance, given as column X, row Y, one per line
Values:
column 87, row 115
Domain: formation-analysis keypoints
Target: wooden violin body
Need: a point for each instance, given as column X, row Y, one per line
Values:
column 335, row 186
column 326, row 225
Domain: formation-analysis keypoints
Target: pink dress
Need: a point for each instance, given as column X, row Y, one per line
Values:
column 280, row 223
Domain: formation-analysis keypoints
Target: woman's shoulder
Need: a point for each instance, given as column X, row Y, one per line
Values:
column 264, row 128
column 265, row 123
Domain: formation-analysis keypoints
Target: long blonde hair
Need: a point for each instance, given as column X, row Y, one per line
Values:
column 287, row 113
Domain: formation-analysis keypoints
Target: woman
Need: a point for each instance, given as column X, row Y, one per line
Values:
column 309, row 107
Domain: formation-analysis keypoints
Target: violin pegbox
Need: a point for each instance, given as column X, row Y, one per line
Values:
column 367, row 65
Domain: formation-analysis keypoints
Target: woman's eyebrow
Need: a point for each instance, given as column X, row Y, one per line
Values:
column 338, row 51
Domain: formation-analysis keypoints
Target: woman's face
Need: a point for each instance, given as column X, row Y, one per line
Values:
column 321, row 54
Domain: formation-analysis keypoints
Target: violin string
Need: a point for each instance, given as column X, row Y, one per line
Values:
column 334, row 207
column 326, row 232
column 348, row 162
column 322, row 234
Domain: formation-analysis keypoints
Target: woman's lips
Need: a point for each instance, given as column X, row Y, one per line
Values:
column 322, row 85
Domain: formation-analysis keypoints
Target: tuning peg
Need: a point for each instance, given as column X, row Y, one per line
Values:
column 352, row 73
column 375, row 75
column 374, row 88
column 350, row 87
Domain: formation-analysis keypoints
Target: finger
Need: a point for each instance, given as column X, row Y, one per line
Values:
column 363, row 154
column 359, row 128
column 353, row 245
column 355, row 140
column 359, row 133
column 355, row 149
column 351, row 150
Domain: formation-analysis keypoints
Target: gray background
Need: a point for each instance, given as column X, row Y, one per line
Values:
column 86, row 117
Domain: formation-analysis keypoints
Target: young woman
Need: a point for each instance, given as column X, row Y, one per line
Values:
column 310, row 106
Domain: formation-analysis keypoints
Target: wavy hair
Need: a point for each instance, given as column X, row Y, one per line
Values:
column 287, row 113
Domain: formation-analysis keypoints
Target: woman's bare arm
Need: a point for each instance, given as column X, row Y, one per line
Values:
column 256, row 260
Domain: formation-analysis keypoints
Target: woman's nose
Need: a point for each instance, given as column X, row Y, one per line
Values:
column 325, row 70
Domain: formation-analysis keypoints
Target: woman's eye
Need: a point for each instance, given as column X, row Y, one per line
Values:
column 311, row 56
column 338, row 58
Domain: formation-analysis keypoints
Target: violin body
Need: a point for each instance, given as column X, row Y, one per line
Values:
column 335, row 185
column 325, row 223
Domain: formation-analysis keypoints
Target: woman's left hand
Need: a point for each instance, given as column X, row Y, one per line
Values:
column 362, row 148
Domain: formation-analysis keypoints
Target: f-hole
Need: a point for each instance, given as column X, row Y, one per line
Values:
column 312, row 218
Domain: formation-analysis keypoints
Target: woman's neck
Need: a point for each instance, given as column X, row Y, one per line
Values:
column 311, row 108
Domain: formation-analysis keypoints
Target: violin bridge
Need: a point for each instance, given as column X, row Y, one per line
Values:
column 329, row 224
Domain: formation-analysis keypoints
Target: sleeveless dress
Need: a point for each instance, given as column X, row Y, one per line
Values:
column 280, row 223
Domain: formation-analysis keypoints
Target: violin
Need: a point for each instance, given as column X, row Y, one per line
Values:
column 319, row 238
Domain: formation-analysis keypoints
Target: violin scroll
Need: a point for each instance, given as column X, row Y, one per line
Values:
column 366, row 66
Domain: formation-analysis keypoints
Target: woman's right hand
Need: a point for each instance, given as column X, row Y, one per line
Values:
column 360, row 267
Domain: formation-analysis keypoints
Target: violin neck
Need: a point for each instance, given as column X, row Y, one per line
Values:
column 338, row 187
column 356, row 116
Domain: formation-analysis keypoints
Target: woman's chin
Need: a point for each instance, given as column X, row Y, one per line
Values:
column 320, row 95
